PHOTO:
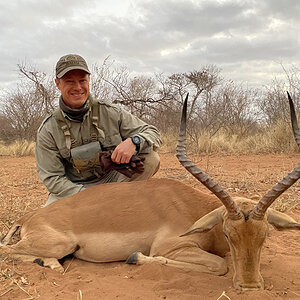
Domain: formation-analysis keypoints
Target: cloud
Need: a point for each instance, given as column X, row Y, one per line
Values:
column 150, row 35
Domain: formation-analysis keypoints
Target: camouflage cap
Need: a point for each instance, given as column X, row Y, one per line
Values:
column 70, row 62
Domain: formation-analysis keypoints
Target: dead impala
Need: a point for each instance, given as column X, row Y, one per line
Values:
column 143, row 222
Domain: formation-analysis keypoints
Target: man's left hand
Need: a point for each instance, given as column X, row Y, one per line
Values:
column 123, row 152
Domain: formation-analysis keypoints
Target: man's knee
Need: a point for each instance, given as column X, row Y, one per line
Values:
column 151, row 166
column 151, row 162
column 51, row 198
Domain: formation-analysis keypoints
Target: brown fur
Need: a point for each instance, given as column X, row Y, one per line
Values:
column 111, row 222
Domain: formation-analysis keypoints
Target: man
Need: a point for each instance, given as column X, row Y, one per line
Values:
column 85, row 140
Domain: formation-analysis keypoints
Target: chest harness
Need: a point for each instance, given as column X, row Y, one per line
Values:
column 83, row 155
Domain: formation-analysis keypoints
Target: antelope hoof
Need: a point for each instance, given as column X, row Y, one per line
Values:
column 39, row 261
column 133, row 258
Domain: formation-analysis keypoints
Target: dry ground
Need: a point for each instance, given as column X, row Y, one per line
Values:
column 21, row 191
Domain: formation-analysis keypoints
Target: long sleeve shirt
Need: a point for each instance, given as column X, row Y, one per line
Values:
column 53, row 159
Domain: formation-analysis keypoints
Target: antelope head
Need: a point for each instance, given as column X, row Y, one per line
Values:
column 245, row 222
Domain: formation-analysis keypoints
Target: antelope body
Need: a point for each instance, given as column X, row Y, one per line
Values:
column 156, row 221
column 97, row 225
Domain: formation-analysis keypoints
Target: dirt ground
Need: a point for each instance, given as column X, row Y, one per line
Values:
column 21, row 192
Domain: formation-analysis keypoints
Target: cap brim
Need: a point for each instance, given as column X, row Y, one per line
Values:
column 65, row 71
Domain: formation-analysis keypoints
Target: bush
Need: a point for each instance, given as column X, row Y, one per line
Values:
column 270, row 139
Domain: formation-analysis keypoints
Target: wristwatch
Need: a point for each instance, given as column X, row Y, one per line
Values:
column 137, row 141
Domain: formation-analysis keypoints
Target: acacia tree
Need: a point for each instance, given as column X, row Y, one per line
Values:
column 141, row 95
column 174, row 89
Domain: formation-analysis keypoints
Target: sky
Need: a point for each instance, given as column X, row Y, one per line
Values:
column 249, row 40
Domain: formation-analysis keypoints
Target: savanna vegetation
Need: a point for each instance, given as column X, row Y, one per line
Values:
column 224, row 116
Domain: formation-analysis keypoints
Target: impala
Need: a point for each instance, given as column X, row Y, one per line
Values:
column 159, row 221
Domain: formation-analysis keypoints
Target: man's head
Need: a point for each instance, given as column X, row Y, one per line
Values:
column 72, row 79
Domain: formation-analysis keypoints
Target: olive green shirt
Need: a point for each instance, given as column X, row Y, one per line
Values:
column 53, row 159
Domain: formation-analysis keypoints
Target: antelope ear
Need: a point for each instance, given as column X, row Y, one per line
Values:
column 281, row 221
column 207, row 222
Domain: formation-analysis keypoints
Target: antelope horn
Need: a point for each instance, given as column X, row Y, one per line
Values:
column 232, row 209
column 263, row 204
column 294, row 120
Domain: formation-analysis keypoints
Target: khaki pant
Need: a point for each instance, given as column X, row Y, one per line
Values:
column 151, row 165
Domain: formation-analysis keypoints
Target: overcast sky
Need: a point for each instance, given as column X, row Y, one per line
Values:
column 248, row 40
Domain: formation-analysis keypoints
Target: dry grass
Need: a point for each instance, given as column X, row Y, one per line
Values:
column 279, row 139
column 169, row 143
column 17, row 149
column 11, row 280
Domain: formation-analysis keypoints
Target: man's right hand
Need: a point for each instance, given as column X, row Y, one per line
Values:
column 123, row 152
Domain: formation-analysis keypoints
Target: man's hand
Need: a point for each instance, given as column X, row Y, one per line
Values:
column 123, row 152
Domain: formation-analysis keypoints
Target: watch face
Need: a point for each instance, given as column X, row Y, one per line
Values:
column 136, row 140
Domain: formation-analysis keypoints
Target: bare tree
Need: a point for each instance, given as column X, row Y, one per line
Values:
column 45, row 89
column 273, row 104
column 139, row 94
column 215, row 103
column 240, row 115
column 7, row 132
column 25, row 107
column 100, row 88
column 22, row 113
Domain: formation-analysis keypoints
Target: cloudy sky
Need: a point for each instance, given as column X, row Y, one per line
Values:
column 249, row 40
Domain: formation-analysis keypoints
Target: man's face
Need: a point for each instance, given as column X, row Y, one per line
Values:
column 74, row 87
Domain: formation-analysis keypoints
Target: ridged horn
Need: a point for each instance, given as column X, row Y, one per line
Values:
column 294, row 120
column 265, row 202
column 232, row 209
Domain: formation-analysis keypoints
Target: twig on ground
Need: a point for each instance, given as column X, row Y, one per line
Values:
column 15, row 282
column 44, row 274
column 223, row 295
column 79, row 295
column 4, row 293
column 66, row 269
column 54, row 283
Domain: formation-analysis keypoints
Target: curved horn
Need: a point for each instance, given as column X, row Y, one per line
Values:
column 294, row 120
column 263, row 204
column 232, row 209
